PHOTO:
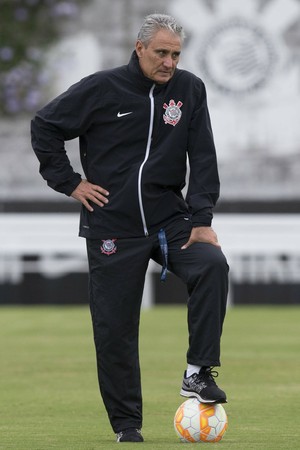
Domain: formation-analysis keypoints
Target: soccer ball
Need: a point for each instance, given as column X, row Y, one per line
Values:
column 200, row 422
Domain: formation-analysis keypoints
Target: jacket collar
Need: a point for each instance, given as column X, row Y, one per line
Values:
column 138, row 76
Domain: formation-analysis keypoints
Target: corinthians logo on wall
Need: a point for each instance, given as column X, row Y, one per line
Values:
column 235, row 45
column 237, row 56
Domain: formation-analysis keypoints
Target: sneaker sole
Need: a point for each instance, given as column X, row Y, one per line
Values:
column 190, row 394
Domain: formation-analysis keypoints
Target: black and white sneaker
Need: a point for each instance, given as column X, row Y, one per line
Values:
column 203, row 386
column 130, row 435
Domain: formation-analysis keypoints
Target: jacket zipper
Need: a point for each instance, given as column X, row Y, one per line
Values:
column 145, row 160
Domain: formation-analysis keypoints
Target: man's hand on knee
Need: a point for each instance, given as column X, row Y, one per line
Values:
column 202, row 234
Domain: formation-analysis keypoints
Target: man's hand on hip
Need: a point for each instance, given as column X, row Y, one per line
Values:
column 87, row 191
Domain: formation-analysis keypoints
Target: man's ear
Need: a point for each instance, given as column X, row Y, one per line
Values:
column 139, row 48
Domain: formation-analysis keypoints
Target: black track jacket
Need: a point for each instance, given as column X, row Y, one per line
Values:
column 134, row 136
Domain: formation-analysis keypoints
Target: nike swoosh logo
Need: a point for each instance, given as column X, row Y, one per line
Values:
column 124, row 114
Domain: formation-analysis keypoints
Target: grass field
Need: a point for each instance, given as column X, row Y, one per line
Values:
column 49, row 395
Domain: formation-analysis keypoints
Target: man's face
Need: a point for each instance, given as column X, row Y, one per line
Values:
column 159, row 59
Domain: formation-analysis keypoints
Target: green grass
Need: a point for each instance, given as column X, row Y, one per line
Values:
column 49, row 394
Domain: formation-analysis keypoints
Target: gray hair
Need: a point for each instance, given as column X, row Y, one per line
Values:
column 155, row 22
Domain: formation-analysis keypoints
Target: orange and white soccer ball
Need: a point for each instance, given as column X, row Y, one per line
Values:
column 200, row 422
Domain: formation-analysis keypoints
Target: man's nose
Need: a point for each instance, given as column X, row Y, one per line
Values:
column 168, row 62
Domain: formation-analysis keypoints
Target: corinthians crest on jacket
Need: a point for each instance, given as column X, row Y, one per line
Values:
column 173, row 112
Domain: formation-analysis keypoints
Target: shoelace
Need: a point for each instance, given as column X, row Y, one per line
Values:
column 212, row 373
column 208, row 376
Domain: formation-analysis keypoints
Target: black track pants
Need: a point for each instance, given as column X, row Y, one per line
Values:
column 117, row 273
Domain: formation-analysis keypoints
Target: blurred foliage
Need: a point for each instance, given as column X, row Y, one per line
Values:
column 27, row 29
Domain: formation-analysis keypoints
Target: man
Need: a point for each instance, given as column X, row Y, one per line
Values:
column 136, row 125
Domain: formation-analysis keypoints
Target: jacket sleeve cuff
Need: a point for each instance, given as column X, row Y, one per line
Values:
column 70, row 186
column 202, row 218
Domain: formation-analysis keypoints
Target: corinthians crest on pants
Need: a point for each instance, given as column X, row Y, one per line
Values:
column 108, row 247
column 173, row 112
